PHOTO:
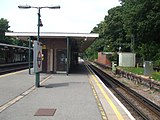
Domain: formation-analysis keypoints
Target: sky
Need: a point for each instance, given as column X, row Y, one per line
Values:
column 78, row 16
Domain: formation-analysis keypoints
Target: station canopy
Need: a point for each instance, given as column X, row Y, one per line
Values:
column 83, row 40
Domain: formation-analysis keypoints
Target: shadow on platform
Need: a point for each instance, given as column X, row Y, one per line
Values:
column 56, row 85
column 79, row 69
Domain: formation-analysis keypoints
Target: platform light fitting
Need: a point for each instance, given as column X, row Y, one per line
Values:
column 28, row 6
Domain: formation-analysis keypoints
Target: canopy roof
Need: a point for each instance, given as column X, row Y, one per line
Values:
column 83, row 40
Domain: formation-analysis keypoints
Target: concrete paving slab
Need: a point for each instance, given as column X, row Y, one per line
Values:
column 13, row 84
column 71, row 96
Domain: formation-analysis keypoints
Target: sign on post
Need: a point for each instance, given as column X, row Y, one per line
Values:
column 37, row 59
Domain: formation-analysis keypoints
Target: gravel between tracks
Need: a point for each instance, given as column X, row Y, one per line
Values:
column 151, row 94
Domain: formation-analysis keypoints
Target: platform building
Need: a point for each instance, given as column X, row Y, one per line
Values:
column 60, row 50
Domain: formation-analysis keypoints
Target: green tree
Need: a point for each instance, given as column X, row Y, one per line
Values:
column 133, row 26
column 111, row 33
column 115, row 32
column 142, row 19
column 4, row 25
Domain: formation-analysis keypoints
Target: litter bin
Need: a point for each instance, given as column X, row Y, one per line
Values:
column 148, row 68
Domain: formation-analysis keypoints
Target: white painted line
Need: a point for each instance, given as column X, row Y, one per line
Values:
column 45, row 79
column 10, row 103
column 28, row 91
column 13, row 101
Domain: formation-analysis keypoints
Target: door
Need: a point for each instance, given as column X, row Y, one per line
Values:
column 61, row 55
column 44, row 60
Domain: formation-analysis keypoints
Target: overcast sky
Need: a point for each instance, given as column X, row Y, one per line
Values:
column 73, row 16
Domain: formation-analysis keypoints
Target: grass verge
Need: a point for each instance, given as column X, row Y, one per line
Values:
column 139, row 71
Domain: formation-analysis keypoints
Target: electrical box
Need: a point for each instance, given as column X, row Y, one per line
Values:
column 148, row 68
column 113, row 67
column 127, row 59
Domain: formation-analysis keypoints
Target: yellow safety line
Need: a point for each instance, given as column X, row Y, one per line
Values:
column 12, row 73
column 118, row 114
column 103, row 114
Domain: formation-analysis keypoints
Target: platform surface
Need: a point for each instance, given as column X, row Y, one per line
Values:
column 69, row 97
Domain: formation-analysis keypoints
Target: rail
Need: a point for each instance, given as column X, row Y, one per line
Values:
column 136, row 78
column 143, row 107
column 6, row 68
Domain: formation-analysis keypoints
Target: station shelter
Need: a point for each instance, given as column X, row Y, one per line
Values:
column 60, row 50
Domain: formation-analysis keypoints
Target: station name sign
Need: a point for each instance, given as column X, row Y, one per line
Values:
column 37, row 58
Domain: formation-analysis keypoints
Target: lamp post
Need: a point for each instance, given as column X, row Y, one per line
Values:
column 29, row 55
column 37, row 84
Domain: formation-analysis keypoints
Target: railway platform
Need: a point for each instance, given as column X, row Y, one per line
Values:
column 78, row 96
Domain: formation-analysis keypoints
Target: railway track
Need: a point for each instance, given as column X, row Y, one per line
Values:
column 140, row 107
column 7, row 68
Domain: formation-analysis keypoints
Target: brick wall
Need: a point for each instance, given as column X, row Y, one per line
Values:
column 102, row 58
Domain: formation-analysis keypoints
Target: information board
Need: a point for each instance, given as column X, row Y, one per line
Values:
column 37, row 59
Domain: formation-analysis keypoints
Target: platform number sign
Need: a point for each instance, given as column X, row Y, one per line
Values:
column 37, row 59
